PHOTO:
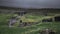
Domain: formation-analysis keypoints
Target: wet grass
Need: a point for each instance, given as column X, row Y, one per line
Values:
column 29, row 30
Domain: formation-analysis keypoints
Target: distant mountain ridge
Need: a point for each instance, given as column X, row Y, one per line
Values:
column 6, row 7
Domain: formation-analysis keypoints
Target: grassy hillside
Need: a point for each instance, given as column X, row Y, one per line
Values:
column 33, row 29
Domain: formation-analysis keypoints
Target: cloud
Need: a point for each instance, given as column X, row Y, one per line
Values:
column 31, row 3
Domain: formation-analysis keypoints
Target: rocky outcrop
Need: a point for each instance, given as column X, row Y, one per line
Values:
column 47, row 31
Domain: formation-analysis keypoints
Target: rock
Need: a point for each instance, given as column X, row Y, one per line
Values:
column 12, row 21
column 23, row 24
column 47, row 20
column 57, row 18
column 47, row 31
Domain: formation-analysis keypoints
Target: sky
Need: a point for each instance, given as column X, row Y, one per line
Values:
column 31, row 3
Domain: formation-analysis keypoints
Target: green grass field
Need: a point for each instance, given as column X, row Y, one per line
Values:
column 33, row 29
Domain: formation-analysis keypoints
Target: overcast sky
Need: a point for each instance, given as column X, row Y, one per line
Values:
column 31, row 3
